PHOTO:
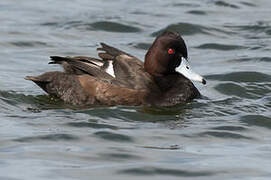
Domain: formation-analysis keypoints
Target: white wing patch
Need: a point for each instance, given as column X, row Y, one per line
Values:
column 110, row 69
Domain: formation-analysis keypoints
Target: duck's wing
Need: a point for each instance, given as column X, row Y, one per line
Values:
column 115, row 66
column 84, row 65
column 126, row 67
column 100, row 69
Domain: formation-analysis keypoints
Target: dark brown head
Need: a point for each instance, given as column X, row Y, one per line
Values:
column 165, row 54
column 168, row 52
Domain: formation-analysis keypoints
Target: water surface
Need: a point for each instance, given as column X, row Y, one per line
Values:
column 225, row 135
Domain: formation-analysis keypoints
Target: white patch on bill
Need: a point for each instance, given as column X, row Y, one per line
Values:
column 185, row 70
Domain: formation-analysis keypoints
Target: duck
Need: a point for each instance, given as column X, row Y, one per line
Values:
column 118, row 78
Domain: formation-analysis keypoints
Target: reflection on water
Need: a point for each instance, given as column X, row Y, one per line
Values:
column 224, row 135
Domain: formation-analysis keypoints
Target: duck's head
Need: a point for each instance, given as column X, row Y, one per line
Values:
column 168, row 55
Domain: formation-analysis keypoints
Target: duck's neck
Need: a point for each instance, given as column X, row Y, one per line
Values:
column 174, row 89
column 166, row 82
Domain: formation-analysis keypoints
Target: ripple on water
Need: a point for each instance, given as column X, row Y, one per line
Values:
column 244, row 90
column 185, row 5
column 139, row 114
column 29, row 44
column 222, row 47
column 112, row 27
column 94, row 125
column 230, row 128
column 150, row 171
column 253, row 59
column 190, row 29
column 184, row 29
column 110, row 136
column 36, row 103
column 211, row 109
column 257, row 120
column 234, row 90
column 50, row 137
column 226, row 4
column 254, row 29
column 223, row 135
column 249, row 4
column 267, row 101
column 244, row 76
column 109, row 26
column 119, row 156
column 95, row 26
column 197, row 12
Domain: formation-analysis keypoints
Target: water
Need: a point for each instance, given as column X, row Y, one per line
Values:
column 225, row 135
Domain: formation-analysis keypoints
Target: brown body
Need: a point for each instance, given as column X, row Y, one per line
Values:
column 110, row 94
column 86, row 81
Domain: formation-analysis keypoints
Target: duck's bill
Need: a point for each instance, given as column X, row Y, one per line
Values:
column 185, row 70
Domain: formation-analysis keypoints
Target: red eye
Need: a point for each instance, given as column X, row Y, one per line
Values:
column 171, row 51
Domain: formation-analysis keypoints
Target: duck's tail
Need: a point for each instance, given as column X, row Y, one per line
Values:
column 42, row 83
